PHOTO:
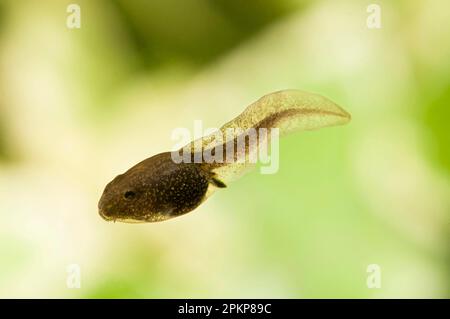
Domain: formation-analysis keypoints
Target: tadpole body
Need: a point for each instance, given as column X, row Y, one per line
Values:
column 159, row 188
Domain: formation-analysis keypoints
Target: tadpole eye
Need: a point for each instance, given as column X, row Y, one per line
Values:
column 129, row 195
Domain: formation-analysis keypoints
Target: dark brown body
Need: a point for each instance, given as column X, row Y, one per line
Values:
column 155, row 189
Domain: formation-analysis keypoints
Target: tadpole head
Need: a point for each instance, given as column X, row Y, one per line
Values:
column 120, row 199
column 155, row 189
column 137, row 195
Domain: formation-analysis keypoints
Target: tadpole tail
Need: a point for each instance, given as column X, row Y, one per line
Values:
column 288, row 110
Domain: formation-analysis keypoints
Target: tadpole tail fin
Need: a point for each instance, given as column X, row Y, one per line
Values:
column 288, row 110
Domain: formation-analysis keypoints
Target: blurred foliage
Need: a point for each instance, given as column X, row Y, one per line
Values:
column 436, row 114
column 194, row 31
column 4, row 152
column 78, row 107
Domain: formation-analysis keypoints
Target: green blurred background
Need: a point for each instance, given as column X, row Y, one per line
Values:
column 79, row 106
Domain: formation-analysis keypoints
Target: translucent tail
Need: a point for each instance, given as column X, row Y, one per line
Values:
column 288, row 110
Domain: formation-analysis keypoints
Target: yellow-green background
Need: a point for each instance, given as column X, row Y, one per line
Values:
column 78, row 107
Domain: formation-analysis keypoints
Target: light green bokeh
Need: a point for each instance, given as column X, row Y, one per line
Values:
column 78, row 107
